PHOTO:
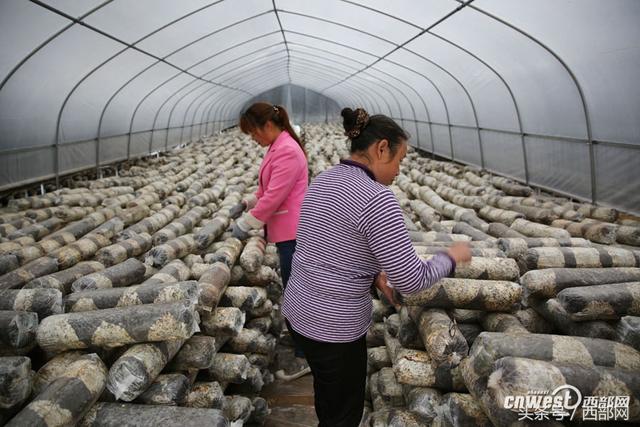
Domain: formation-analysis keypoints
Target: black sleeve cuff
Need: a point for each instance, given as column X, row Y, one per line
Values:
column 453, row 264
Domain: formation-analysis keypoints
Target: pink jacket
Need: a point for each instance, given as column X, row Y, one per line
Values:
column 282, row 183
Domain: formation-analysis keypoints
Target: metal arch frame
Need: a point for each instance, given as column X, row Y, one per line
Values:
column 193, row 12
column 409, row 103
column 237, row 104
column 74, row 21
column 209, row 72
column 49, row 39
column 226, row 72
column 202, row 115
column 587, row 117
column 184, row 118
column 400, row 46
column 185, row 71
column 380, row 86
column 190, row 91
column 213, row 102
column 232, row 100
column 415, row 117
column 573, row 77
column 422, row 75
column 387, row 41
column 371, row 100
column 309, row 80
column 233, row 103
column 370, row 54
column 204, row 110
column 144, row 98
column 192, row 81
column 166, row 81
column 346, row 65
column 230, row 103
column 201, row 61
column 127, row 47
column 206, row 99
column 363, row 89
column 399, row 107
column 324, row 99
column 429, row 122
column 318, row 64
column 471, row 103
column 323, row 76
column 275, row 10
column 252, row 68
column 362, row 92
column 216, row 54
column 324, row 73
column 374, row 77
column 517, row 110
column 507, row 86
column 377, row 78
column 319, row 78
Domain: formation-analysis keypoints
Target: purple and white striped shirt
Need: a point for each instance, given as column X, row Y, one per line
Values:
column 351, row 227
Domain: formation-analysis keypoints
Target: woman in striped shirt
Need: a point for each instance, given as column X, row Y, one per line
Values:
column 352, row 234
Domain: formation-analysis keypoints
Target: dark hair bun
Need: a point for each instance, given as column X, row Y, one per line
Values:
column 349, row 117
column 354, row 121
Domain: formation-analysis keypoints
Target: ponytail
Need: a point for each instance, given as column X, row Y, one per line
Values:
column 284, row 123
column 260, row 113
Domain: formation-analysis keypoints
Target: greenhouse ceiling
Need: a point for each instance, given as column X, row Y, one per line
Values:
column 543, row 91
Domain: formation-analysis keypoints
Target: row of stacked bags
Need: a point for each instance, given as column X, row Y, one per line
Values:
column 125, row 300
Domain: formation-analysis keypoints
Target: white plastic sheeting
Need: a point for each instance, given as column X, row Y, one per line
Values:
column 543, row 91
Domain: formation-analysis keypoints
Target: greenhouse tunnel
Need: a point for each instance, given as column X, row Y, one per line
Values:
column 540, row 91
column 291, row 213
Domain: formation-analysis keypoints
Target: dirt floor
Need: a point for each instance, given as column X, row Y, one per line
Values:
column 291, row 402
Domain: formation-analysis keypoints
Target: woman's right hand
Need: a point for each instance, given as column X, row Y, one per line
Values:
column 381, row 282
column 460, row 252
column 250, row 202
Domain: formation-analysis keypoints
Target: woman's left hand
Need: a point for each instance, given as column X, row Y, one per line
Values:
column 382, row 284
column 244, row 224
column 238, row 230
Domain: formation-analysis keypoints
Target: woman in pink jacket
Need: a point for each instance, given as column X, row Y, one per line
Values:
column 282, row 181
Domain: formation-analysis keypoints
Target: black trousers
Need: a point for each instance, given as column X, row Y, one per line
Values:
column 339, row 375
column 285, row 252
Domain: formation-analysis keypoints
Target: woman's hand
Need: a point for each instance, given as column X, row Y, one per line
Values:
column 382, row 284
column 460, row 252
column 250, row 202
column 240, row 229
column 243, row 225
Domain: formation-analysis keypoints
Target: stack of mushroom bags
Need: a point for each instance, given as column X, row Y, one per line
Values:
column 550, row 297
column 125, row 300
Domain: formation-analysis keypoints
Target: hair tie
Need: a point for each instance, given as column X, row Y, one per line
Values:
column 275, row 108
column 362, row 120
